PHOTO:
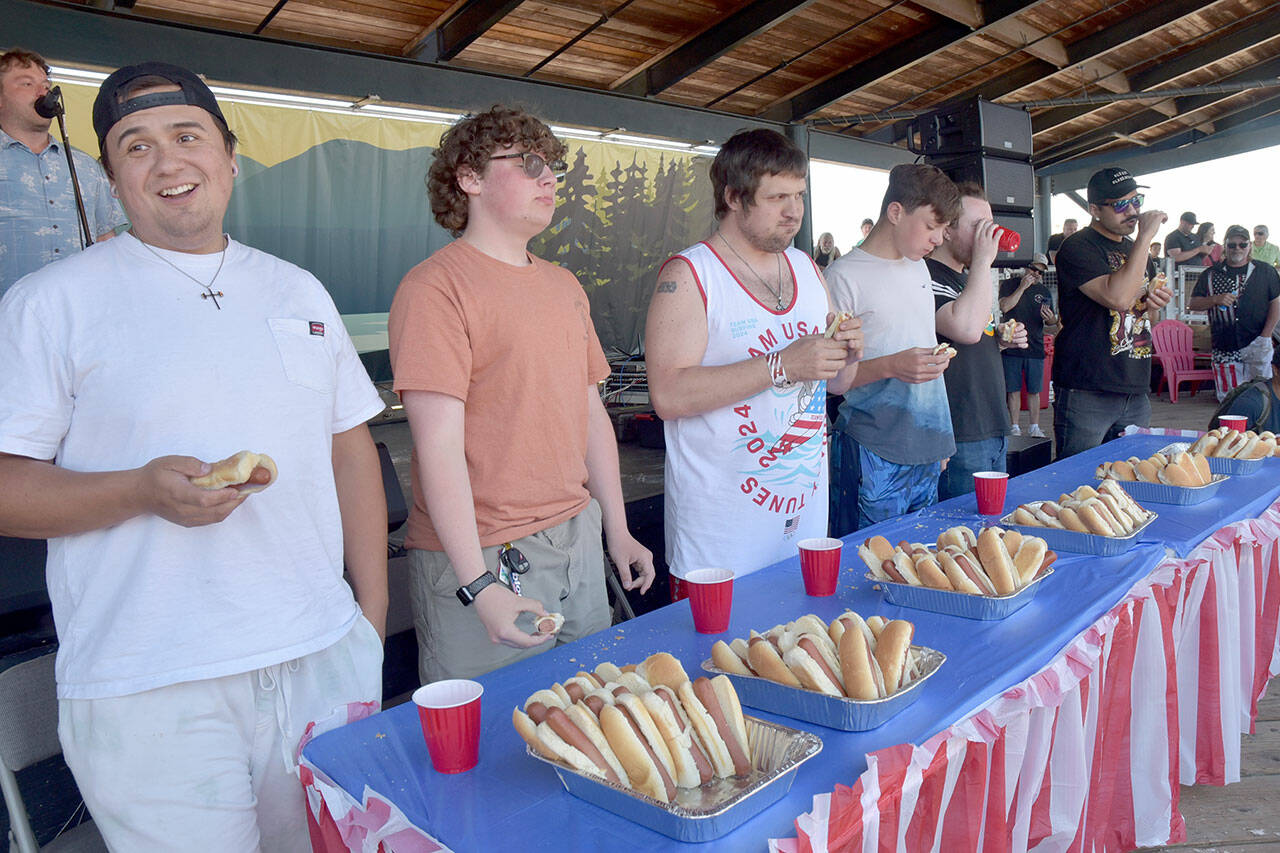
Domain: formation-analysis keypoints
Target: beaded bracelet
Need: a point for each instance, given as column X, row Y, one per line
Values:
column 777, row 373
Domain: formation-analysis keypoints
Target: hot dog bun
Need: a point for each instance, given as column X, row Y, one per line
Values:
column 767, row 662
column 550, row 624
column 891, row 653
column 717, row 718
column 662, row 668
column 689, row 760
column 639, row 746
column 816, row 669
column 726, row 659
column 874, row 552
column 862, row 677
column 1029, row 558
column 257, row 470
column 996, row 562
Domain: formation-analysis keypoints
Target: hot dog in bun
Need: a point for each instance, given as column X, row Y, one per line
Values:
column 247, row 471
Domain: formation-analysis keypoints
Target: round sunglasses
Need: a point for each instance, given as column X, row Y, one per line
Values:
column 533, row 163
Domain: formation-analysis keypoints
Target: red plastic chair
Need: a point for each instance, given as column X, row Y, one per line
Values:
column 1172, row 340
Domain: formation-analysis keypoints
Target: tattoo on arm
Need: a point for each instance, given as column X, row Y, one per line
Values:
column 666, row 287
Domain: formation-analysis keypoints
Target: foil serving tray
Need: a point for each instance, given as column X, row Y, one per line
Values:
column 1163, row 493
column 951, row 603
column 716, row 808
column 834, row 712
column 1080, row 543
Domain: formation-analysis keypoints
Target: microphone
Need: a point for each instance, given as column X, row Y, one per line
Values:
column 49, row 105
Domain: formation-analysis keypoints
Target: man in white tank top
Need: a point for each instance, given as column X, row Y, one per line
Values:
column 739, row 369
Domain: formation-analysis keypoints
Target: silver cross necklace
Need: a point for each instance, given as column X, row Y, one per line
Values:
column 209, row 292
column 776, row 294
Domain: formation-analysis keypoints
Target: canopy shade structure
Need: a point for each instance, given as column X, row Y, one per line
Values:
column 840, row 65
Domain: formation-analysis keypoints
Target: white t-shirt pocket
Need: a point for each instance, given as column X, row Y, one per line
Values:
column 303, row 353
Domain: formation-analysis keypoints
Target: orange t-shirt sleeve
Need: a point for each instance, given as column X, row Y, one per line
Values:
column 597, row 364
column 429, row 336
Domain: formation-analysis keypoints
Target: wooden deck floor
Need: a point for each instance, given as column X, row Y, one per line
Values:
column 1244, row 817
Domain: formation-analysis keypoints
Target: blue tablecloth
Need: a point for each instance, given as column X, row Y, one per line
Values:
column 1180, row 528
column 510, row 800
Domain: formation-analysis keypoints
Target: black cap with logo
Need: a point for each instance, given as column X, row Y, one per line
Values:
column 1110, row 184
column 108, row 108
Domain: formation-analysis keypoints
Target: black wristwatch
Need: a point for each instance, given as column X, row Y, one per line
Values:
column 467, row 594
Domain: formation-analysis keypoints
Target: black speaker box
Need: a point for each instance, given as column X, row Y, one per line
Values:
column 974, row 126
column 1010, row 184
column 1025, row 226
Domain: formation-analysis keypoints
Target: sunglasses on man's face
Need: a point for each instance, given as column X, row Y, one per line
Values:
column 1234, row 245
column 534, row 163
column 1122, row 204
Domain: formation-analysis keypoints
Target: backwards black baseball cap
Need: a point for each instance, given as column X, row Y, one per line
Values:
column 109, row 108
column 1110, row 184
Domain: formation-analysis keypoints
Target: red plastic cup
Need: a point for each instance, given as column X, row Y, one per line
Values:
column 449, row 711
column 710, row 599
column 1009, row 241
column 990, row 487
column 1236, row 422
column 820, row 565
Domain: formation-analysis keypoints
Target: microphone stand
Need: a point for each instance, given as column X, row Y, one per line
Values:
column 50, row 106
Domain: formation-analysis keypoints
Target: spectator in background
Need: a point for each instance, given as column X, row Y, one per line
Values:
column 39, row 222
column 826, row 251
column 1260, row 402
column 1069, row 227
column 1155, row 252
column 894, row 429
column 1102, row 356
column 1205, row 235
column 515, row 461
column 1263, row 251
column 1242, row 298
column 1182, row 244
column 1028, row 301
column 866, row 226
column 964, row 319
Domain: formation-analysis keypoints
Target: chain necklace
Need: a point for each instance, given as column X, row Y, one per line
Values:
column 209, row 292
column 776, row 294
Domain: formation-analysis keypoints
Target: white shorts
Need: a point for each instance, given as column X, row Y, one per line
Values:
column 211, row 765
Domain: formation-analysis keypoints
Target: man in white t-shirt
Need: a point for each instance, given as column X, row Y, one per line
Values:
column 894, row 429
column 739, row 370
column 201, row 630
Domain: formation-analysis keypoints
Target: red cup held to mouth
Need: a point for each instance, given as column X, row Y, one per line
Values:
column 1009, row 241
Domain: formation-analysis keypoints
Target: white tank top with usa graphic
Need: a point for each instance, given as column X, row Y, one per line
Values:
column 746, row 482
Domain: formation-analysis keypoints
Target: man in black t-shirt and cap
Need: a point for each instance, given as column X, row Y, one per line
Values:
column 1102, row 356
column 1182, row 244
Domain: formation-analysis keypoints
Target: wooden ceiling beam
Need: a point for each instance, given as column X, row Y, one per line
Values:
column 468, row 22
column 967, row 12
column 909, row 53
column 1134, row 27
column 700, row 50
column 1148, row 118
column 414, row 45
column 1217, row 49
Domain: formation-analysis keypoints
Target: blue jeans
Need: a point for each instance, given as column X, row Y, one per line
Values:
column 1085, row 419
column 987, row 454
column 867, row 488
